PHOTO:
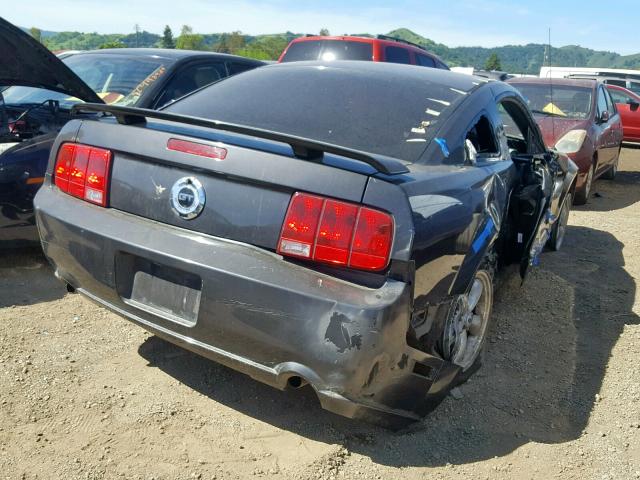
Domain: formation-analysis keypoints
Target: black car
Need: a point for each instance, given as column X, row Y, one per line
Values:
column 333, row 224
column 39, row 90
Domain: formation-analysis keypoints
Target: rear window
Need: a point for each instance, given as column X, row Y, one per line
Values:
column 425, row 61
column 383, row 109
column 118, row 79
column 328, row 50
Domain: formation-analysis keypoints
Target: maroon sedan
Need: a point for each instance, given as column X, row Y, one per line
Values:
column 578, row 118
column 628, row 105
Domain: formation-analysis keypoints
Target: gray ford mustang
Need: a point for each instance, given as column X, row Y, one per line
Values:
column 333, row 224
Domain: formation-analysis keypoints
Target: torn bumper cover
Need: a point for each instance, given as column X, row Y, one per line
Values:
column 248, row 309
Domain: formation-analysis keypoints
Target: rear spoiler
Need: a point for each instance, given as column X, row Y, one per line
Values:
column 302, row 147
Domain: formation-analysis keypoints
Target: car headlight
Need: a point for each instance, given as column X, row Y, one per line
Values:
column 571, row 141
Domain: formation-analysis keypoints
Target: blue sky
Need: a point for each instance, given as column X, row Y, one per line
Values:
column 598, row 25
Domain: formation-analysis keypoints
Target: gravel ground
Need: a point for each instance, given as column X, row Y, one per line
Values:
column 84, row 394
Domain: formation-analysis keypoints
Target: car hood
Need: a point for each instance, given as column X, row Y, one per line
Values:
column 554, row 128
column 25, row 61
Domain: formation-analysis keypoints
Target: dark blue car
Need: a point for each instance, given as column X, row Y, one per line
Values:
column 38, row 90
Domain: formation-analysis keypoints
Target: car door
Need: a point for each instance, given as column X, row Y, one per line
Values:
column 628, row 108
column 189, row 78
column 615, row 127
column 520, row 137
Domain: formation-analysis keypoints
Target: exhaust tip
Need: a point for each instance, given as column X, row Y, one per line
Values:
column 296, row 382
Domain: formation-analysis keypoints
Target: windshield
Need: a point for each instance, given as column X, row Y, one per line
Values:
column 117, row 79
column 391, row 110
column 328, row 50
column 32, row 96
column 561, row 100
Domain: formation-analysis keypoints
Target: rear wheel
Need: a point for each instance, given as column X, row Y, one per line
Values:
column 467, row 323
column 613, row 171
column 560, row 228
column 582, row 195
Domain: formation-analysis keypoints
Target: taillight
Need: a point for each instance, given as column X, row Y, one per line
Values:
column 83, row 171
column 335, row 232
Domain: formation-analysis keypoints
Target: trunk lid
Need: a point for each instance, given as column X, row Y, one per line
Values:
column 26, row 62
column 243, row 196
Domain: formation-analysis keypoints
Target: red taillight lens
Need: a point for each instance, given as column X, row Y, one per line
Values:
column 83, row 171
column 372, row 240
column 194, row 148
column 335, row 232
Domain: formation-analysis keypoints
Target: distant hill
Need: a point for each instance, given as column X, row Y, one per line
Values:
column 514, row 58
column 522, row 58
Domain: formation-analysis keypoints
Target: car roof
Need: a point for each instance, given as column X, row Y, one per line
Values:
column 173, row 54
column 568, row 82
column 427, row 97
column 395, row 72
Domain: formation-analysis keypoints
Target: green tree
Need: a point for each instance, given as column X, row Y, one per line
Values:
column 167, row 38
column 223, row 44
column 189, row 40
column 324, row 32
column 112, row 44
column 493, row 62
column 236, row 42
column 268, row 48
column 36, row 33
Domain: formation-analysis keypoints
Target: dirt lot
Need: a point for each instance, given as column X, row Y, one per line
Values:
column 84, row 394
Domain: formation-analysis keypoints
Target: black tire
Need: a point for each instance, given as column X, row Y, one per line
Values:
column 560, row 227
column 582, row 194
column 613, row 171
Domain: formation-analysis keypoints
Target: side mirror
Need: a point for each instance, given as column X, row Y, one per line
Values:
column 633, row 105
column 604, row 117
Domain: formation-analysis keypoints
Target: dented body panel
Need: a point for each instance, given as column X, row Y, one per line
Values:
column 367, row 342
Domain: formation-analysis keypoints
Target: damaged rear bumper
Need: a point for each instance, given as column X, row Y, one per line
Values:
column 252, row 310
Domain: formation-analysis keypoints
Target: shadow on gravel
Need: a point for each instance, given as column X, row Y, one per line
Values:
column 619, row 193
column 26, row 278
column 548, row 352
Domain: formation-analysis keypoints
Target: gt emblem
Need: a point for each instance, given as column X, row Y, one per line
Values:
column 188, row 197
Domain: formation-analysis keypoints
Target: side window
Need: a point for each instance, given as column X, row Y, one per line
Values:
column 441, row 65
column 602, row 102
column 189, row 79
column 396, row 55
column 425, row 61
column 610, row 105
column 480, row 141
column 618, row 96
column 237, row 67
column 634, row 87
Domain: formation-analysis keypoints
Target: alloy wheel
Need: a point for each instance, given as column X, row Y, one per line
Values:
column 467, row 322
